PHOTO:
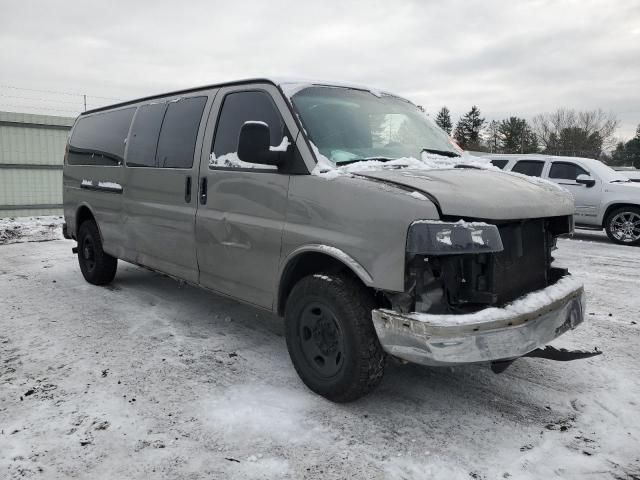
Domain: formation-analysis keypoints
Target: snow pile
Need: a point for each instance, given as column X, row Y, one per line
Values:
column 527, row 304
column 326, row 169
column 462, row 223
column 30, row 229
column 112, row 185
column 263, row 411
column 232, row 160
column 284, row 144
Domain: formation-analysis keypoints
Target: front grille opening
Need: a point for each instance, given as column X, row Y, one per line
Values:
column 466, row 283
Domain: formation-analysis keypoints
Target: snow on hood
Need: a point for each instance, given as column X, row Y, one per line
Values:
column 480, row 190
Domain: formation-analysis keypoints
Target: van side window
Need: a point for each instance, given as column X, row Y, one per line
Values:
column 533, row 168
column 177, row 142
column 143, row 141
column 499, row 163
column 566, row 171
column 99, row 139
column 238, row 108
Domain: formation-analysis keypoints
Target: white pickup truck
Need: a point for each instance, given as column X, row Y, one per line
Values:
column 604, row 198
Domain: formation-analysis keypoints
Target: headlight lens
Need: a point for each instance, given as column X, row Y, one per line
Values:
column 428, row 237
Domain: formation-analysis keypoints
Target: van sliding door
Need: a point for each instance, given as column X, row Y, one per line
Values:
column 161, row 179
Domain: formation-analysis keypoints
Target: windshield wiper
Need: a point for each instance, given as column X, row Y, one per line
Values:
column 356, row 160
column 446, row 153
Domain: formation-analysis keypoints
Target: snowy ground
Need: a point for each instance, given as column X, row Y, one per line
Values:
column 30, row 229
column 151, row 379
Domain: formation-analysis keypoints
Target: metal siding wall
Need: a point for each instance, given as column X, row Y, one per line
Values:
column 32, row 145
column 31, row 140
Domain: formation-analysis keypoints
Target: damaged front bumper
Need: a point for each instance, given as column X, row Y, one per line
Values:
column 490, row 335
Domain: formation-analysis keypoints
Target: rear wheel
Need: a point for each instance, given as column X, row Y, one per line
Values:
column 623, row 225
column 331, row 339
column 98, row 267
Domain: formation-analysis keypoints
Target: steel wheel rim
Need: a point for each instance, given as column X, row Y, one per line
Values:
column 321, row 340
column 88, row 253
column 625, row 227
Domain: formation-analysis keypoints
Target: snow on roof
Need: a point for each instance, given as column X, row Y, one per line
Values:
column 289, row 85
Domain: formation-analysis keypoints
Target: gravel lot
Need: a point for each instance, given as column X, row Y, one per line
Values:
column 148, row 378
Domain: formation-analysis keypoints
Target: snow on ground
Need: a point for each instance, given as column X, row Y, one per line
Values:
column 30, row 229
column 148, row 378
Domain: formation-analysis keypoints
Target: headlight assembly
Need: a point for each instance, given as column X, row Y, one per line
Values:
column 431, row 237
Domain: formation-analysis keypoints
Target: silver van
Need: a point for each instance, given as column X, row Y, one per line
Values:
column 343, row 209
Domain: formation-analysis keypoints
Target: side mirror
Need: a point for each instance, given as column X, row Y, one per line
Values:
column 585, row 180
column 254, row 142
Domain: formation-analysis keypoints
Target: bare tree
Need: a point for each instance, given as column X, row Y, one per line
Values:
column 576, row 133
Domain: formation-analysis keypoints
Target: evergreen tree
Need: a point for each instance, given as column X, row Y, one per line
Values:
column 517, row 137
column 468, row 130
column 632, row 150
column 618, row 156
column 443, row 120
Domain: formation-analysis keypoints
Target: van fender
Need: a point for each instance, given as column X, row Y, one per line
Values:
column 334, row 252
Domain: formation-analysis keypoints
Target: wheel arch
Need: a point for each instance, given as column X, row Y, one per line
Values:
column 314, row 259
column 84, row 213
column 614, row 206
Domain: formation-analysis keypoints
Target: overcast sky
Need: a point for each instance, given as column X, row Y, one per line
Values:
column 508, row 57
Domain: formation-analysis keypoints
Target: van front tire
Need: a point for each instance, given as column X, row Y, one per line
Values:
column 98, row 267
column 331, row 339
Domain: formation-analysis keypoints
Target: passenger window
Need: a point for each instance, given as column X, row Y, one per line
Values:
column 566, row 171
column 144, row 135
column 99, row 139
column 500, row 163
column 238, row 108
column 533, row 168
column 177, row 142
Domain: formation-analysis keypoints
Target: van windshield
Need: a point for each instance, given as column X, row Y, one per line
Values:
column 349, row 125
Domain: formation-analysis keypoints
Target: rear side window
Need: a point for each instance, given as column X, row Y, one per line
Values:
column 238, row 108
column 533, row 168
column 566, row 171
column 143, row 141
column 499, row 163
column 99, row 139
column 177, row 142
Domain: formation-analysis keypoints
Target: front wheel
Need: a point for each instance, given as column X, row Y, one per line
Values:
column 623, row 226
column 98, row 267
column 331, row 339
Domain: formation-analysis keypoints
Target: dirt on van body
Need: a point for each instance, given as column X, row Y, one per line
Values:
column 148, row 378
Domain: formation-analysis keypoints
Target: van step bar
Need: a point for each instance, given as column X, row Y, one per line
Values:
column 74, row 250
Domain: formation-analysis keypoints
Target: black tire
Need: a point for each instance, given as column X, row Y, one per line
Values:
column 98, row 267
column 622, row 227
column 331, row 339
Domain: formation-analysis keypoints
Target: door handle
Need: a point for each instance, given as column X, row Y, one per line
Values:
column 187, row 190
column 203, row 191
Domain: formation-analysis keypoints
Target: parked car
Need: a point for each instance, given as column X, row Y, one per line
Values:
column 339, row 208
column 604, row 198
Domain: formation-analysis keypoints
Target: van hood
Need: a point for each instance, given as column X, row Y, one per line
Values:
column 481, row 194
column 629, row 188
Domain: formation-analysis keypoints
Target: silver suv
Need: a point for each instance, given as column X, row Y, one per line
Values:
column 604, row 198
column 343, row 209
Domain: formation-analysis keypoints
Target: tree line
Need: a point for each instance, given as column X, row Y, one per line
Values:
column 565, row 132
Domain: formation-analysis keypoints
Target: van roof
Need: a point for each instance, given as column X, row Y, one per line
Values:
column 292, row 84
